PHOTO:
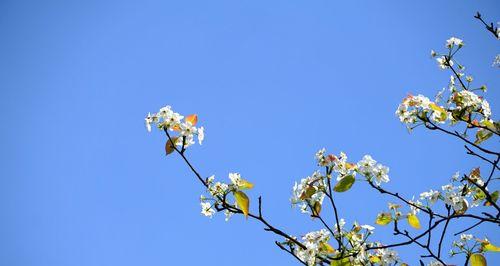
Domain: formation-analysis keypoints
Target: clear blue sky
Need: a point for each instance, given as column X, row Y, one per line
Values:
column 83, row 183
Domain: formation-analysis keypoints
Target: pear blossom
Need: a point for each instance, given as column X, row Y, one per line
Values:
column 453, row 197
column 387, row 256
column 167, row 119
column 201, row 135
column 235, row 179
column 314, row 243
column 444, row 63
column 414, row 206
column 206, row 209
column 496, row 61
column 150, row 119
column 431, row 196
column 218, row 189
column 373, row 170
column 367, row 227
column 435, row 263
column 453, row 41
column 309, row 191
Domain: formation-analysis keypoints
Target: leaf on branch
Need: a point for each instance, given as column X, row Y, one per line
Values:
column 169, row 146
column 317, row 208
column 310, row 190
column 242, row 201
column 494, row 126
column 374, row 259
column 341, row 262
column 477, row 259
column 465, row 207
column 193, row 119
column 383, row 218
column 243, row 184
column 475, row 173
column 413, row 221
column 344, row 184
column 494, row 198
column 327, row 247
column 442, row 112
column 482, row 135
column 487, row 246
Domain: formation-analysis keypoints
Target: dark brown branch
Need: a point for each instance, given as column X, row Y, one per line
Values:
column 289, row 252
column 448, row 208
column 489, row 27
column 471, row 152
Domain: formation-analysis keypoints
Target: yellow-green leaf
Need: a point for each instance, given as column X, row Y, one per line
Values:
column 487, row 246
column 413, row 221
column 490, row 125
column 477, row 259
column 243, row 202
column 374, row 259
column 440, row 110
column 243, row 184
column 327, row 247
column 494, row 198
column 169, row 146
column 344, row 184
column 482, row 135
column 341, row 262
column 383, row 218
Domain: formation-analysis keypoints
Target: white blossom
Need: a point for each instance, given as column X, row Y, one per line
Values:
column 453, row 41
column 206, row 209
column 431, row 196
column 443, row 62
column 201, row 135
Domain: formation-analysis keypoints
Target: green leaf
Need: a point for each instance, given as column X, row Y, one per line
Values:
column 341, row 262
column 242, row 201
column 494, row 126
column 494, row 198
column 413, row 221
column 477, row 259
column 344, row 184
column 383, row 218
column 482, row 135
column 327, row 247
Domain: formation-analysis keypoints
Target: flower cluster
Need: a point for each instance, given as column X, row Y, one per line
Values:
column 460, row 196
column 417, row 108
column 373, row 170
column 467, row 103
column 338, row 164
column 166, row 119
column 496, row 61
column 357, row 249
column 218, row 192
column 309, row 192
column 316, row 244
column 462, row 104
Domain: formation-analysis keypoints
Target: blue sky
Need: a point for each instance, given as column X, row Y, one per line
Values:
column 83, row 183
